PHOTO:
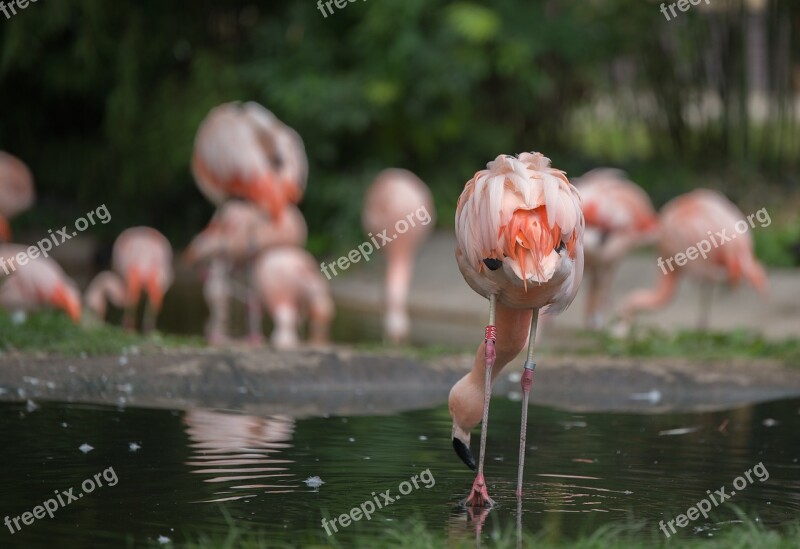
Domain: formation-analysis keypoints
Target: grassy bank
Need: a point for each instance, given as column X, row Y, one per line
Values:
column 414, row 535
column 53, row 332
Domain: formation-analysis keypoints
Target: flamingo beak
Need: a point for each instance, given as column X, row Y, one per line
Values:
column 461, row 446
column 63, row 300
column 269, row 196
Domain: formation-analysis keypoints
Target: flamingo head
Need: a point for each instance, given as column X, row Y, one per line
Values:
column 66, row 299
column 465, row 410
column 96, row 303
column 532, row 245
column 266, row 192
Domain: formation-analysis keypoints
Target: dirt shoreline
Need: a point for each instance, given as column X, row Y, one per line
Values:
column 344, row 381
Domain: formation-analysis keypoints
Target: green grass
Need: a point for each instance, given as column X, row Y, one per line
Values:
column 414, row 534
column 422, row 352
column 53, row 332
column 702, row 345
column 642, row 342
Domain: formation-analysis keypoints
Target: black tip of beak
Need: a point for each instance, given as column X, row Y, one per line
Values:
column 464, row 453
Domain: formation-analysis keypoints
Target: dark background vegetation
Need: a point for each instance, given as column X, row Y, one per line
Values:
column 102, row 99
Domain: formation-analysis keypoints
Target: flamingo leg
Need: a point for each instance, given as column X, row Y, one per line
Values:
column 479, row 496
column 217, row 292
column 148, row 318
column 526, row 381
column 129, row 318
column 254, row 314
column 706, row 297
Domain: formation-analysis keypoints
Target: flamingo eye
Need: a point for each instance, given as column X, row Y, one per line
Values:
column 561, row 246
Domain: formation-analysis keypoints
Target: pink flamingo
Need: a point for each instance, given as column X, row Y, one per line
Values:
column 619, row 218
column 16, row 191
column 291, row 288
column 143, row 257
column 687, row 221
column 36, row 284
column 519, row 228
column 106, row 286
column 237, row 233
column 398, row 196
column 243, row 151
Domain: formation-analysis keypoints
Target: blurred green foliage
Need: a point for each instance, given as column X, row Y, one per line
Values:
column 102, row 99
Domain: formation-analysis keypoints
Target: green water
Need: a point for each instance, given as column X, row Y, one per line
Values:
column 583, row 471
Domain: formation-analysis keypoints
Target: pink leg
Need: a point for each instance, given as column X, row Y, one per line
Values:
column 479, row 496
column 256, row 335
column 526, row 381
column 255, row 331
column 129, row 318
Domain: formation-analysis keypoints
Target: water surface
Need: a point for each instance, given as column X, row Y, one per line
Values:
column 187, row 469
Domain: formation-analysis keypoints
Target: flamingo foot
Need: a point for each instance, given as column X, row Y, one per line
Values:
column 479, row 496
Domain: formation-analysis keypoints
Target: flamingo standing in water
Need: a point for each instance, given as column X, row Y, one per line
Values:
column 291, row 288
column 143, row 257
column 243, row 151
column 519, row 228
column 39, row 283
column 237, row 233
column 398, row 195
column 687, row 222
column 619, row 218
column 16, row 191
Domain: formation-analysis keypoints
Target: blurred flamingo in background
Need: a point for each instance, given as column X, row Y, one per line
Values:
column 142, row 256
column 519, row 228
column 398, row 195
column 16, row 191
column 292, row 288
column 619, row 218
column 237, row 233
column 243, row 151
column 106, row 286
column 686, row 221
column 39, row 283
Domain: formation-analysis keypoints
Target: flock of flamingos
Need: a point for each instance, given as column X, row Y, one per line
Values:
column 523, row 234
column 519, row 214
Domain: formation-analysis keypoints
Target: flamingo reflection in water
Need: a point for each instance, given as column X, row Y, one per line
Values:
column 240, row 453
